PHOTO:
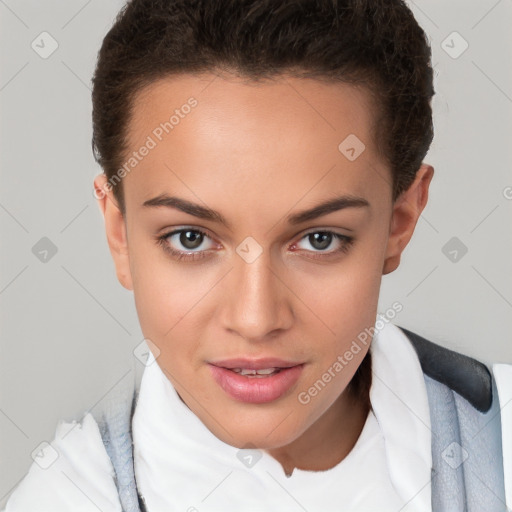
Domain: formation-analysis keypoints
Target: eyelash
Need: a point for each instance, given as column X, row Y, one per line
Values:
column 347, row 242
column 179, row 255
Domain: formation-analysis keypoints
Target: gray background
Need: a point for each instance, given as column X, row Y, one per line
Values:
column 69, row 328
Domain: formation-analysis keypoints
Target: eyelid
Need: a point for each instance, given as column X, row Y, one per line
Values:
column 324, row 230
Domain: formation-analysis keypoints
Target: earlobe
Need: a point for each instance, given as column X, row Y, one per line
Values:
column 115, row 227
column 406, row 212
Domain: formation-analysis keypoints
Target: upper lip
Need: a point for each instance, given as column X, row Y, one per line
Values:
column 254, row 364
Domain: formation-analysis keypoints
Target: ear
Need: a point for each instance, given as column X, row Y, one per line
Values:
column 115, row 227
column 406, row 212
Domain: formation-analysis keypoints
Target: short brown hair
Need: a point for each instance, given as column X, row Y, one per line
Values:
column 374, row 43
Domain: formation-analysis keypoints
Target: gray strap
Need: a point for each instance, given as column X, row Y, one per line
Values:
column 467, row 460
column 481, row 438
column 448, row 490
column 114, row 421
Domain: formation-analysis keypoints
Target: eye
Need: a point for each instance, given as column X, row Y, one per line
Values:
column 321, row 241
column 185, row 243
column 193, row 244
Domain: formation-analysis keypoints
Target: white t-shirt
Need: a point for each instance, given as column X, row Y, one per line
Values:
column 180, row 465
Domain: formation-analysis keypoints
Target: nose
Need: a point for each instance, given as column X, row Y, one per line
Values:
column 257, row 304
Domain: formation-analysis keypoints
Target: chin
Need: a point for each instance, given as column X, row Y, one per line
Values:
column 267, row 431
column 259, row 440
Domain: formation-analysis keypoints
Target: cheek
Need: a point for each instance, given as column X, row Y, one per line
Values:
column 166, row 296
column 346, row 302
column 346, row 299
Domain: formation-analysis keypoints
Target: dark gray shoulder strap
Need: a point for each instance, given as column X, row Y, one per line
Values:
column 468, row 377
column 114, row 422
column 467, row 456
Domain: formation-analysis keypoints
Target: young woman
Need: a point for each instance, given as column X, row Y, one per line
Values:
column 263, row 168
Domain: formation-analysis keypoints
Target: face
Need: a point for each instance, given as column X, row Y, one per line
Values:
column 233, row 260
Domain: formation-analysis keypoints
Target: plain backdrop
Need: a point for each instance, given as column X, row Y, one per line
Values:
column 68, row 328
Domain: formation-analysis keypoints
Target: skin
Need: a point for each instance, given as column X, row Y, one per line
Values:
column 257, row 153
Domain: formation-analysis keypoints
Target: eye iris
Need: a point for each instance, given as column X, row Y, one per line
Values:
column 191, row 239
column 320, row 240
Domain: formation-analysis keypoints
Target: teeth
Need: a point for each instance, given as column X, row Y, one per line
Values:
column 249, row 372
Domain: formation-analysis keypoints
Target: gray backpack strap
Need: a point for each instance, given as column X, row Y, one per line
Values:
column 481, row 437
column 467, row 456
column 448, row 490
column 114, row 422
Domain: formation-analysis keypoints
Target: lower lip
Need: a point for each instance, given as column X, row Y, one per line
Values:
column 256, row 389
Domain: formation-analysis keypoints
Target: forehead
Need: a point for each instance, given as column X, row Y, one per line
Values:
column 226, row 135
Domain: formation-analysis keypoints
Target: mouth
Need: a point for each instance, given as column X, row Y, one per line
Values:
column 263, row 373
column 256, row 381
column 262, row 363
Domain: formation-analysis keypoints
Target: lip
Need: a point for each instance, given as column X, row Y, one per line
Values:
column 254, row 364
column 256, row 389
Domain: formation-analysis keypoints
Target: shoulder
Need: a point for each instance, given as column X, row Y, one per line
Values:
column 466, row 376
column 73, row 472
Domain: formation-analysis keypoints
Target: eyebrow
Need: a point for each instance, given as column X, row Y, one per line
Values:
column 203, row 212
